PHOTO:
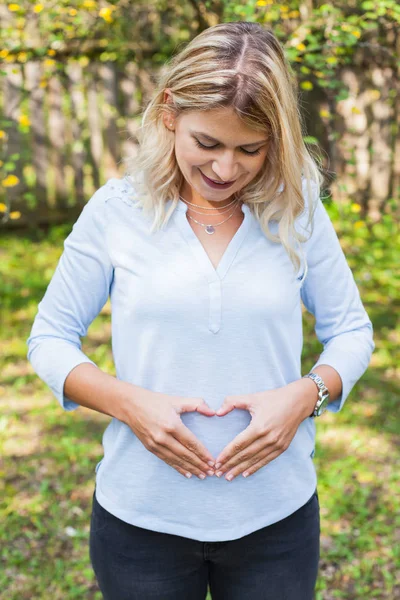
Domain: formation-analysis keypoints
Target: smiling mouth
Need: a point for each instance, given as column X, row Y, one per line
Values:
column 218, row 182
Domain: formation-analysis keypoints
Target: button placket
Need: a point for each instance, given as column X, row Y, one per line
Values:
column 214, row 276
column 215, row 313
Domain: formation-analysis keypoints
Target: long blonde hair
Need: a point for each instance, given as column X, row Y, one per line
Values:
column 240, row 65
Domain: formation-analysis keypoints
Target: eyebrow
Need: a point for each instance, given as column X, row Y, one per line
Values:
column 211, row 139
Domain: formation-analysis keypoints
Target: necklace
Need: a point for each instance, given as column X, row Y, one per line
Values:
column 206, row 207
column 221, row 212
column 210, row 229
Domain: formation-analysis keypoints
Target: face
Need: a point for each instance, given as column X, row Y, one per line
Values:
column 235, row 153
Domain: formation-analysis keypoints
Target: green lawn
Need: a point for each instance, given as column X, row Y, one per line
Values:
column 48, row 455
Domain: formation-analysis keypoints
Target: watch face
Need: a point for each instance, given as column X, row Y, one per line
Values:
column 322, row 408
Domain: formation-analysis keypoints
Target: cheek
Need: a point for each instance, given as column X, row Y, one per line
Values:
column 187, row 154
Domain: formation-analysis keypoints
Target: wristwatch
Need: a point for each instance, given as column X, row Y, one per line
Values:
column 323, row 395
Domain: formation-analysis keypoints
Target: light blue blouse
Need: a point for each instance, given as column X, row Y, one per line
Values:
column 182, row 327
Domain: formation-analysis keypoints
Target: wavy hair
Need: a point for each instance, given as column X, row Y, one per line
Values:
column 243, row 66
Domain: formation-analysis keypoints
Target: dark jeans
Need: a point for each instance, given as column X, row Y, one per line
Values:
column 277, row 562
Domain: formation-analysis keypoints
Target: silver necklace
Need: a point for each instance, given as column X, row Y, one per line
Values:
column 206, row 207
column 221, row 212
column 210, row 229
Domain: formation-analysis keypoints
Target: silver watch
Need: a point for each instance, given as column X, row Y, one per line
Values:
column 323, row 395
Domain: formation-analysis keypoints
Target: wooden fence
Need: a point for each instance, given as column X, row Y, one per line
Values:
column 84, row 118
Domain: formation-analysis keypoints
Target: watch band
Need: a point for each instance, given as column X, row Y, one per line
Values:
column 323, row 394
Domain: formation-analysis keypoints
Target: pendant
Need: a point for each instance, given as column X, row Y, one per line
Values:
column 210, row 229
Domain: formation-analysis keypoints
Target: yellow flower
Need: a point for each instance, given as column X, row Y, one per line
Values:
column 325, row 113
column 319, row 73
column 4, row 53
column 22, row 56
column 13, row 7
column 355, row 110
column 51, row 52
column 105, row 13
column 300, row 47
column 38, row 8
column 355, row 208
column 15, row 214
column 358, row 224
column 261, row 3
column 294, row 14
column 24, row 120
column 10, row 181
column 284, row 9
column 89, row 4
column 2, row 134
column 356, row 33
column 306, row 85
column 331, row 60
column 3, row 207
column 49, row 62
column 84, row 61
column 72, row 12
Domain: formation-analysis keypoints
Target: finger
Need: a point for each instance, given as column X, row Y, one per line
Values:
column 194, row 404
column 180, row 464
column 247, row 456
column 242, row 441
column 194, row 448
column 261, row 463
column 191, row 459
column 254, row 466
column 231, row 402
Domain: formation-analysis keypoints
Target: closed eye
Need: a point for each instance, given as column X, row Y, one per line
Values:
column 200, row 145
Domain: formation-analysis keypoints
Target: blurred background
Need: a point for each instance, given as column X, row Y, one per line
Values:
column 74, row 80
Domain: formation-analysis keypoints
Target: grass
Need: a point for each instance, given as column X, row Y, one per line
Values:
column 48, row 455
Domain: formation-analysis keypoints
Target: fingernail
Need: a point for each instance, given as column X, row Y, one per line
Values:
column 188, row 475
column 202, row 476
column 211, row 463
column 229, row 477
column 210, row 473
column 218, row 473
column 217, row 466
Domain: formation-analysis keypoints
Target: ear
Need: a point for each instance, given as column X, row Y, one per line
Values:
column 168, row 117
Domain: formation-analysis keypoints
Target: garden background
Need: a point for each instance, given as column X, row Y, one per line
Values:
column 74, row 79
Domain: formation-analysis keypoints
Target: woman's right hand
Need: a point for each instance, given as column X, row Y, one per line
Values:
column 155, row 420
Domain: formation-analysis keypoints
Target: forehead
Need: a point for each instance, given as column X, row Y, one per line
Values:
column 222, row 123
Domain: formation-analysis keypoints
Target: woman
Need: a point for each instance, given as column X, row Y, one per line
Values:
column 207, row 248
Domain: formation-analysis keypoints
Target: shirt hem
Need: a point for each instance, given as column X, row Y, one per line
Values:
column 221, row 535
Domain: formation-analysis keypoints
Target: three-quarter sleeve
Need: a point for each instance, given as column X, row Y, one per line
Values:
column 75, row 295
column 330, row 293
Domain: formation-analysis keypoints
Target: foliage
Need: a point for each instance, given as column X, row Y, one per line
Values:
column 49, row 455
column 319, row 42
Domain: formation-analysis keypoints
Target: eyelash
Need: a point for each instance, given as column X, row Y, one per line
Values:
column 200, row 145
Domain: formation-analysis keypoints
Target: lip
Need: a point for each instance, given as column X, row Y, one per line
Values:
column 216, row 186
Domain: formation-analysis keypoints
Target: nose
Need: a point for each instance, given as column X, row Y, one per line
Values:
column 226, row 167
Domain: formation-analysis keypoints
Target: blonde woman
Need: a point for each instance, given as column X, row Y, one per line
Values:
column 207, row 246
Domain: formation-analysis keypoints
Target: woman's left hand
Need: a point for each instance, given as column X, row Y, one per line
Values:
column 276, row 416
